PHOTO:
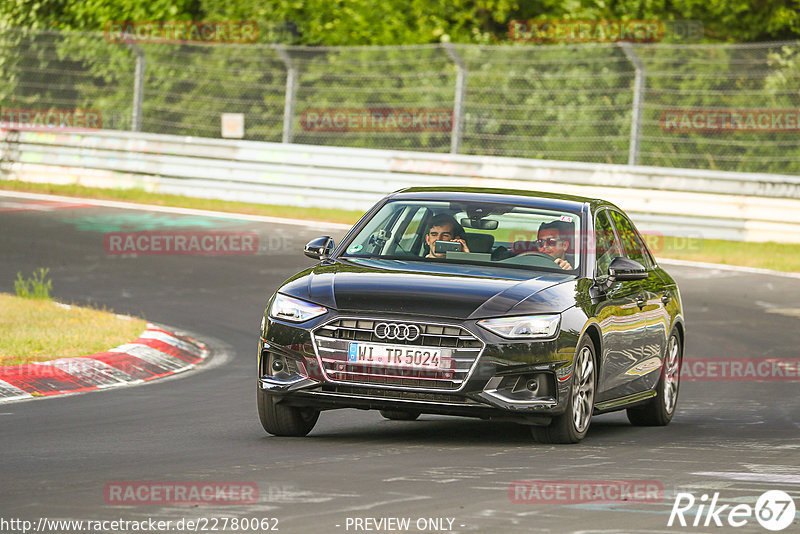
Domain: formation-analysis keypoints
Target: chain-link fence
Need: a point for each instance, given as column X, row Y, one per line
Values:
column 725, row 107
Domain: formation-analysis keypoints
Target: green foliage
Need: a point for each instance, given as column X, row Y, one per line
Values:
column 389, row 22
column 365, row 22
column 35, row 287
column 555, row 102
column 91, row 15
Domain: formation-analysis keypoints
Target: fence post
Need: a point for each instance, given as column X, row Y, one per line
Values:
column 458, row 102
column 9, row 151
column 138, row 87
column 291, row 93
column 638, row 101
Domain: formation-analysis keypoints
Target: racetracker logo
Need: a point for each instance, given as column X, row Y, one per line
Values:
column 181, row 32
column 547, row 31
column 180, row 493
column 730, row 120
column 657, row 243
column 725, row 369
column 585, row 31
column 583, row 491
column 52, row 119
column 182, row 243
column 377, row 120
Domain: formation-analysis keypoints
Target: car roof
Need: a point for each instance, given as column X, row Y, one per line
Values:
column 504, row 196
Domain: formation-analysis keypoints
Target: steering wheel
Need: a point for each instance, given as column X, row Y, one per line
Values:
column 542, row 254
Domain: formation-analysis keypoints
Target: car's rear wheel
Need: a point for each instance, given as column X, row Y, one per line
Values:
column 659, row 410
column 280, row 420
column 400, row 415
column 573, row 424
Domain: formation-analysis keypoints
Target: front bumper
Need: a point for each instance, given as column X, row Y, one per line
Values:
column 523, row 381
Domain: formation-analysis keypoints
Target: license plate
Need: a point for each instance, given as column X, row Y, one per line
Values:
column 396, row 356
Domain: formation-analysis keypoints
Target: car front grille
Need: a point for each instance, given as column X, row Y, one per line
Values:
column 458, row 347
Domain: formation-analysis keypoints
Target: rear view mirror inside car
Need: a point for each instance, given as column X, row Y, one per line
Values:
column 479, row 224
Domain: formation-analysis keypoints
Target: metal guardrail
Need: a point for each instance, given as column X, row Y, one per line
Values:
column 723, row 205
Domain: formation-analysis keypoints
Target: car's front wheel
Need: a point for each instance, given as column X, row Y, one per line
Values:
column 280, row 420
column 400, row 415
column 573, row 424
column 659, row 410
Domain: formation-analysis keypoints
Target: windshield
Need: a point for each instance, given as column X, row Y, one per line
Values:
column 501, row 235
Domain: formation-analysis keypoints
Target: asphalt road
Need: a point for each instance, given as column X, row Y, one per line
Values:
column 737, row 438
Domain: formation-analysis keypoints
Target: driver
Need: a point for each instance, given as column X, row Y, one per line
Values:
column 554, row 239
column 444, row 227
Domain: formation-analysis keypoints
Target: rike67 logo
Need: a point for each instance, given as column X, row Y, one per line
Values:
column 774, row 510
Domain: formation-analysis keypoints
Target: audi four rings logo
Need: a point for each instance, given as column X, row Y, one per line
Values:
column 407, row 332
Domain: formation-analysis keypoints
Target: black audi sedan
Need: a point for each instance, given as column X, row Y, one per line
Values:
column 537, row 308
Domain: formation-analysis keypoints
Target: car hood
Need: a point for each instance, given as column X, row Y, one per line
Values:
column 440, row 290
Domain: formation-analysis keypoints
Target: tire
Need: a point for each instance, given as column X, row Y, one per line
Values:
column 400, row 415
column 281, row 420
column 659, row 410
column 573, row 424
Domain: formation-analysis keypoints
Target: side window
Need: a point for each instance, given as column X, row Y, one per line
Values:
column 409, row 242
column 631, row 240
column 376, row 237
column 607, row 247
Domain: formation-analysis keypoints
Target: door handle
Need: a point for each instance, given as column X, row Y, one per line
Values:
column 666, row 297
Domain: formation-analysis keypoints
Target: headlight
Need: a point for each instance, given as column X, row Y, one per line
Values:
column 295, row 310
column 526, row 327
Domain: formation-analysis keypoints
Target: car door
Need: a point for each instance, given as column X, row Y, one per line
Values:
column 620, row 318
column 650, row 299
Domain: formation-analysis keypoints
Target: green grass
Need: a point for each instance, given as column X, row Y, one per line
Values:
column 36, row 286
column 37, row 330
column 769, row 255
column 143, row 197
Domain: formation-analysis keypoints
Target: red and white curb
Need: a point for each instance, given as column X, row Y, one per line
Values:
column 155, row 354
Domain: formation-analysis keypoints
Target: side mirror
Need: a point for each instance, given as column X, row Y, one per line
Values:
column 319, row 248
column 626, row 269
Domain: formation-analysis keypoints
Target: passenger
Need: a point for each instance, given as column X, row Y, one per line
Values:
column 444, row 227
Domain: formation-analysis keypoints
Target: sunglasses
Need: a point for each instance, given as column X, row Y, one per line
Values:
column 550, row 242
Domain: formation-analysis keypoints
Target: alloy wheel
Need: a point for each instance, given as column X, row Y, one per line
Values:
column 583, row 390
column 671, row 375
